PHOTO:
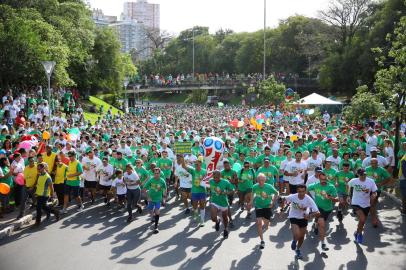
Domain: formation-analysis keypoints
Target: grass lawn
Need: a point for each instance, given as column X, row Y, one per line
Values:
column 92, row 117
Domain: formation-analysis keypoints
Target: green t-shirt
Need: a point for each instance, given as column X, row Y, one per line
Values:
column 120, row 164
column 7, row 180
column 165, row 164
column 278, row 160
column 228, row 175
column 260, row 159
column 319, row 191
column 155, row 188
column 197, row 177
column 263, row 195
column 342, row 179
column 269, row 172
column 219, row 192
column 378, row 174
column 143, row 174
column 330, row 174
column 245, row 179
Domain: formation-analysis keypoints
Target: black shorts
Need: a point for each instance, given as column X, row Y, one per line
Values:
column 90, row 184
column 378, row 194
column 265, row 213
column 230, row 198
column 324, row 214
column 292, row 189
column 364, row 210
column 74, row 190
column 121, row 197
column 107, row 188
column 186, row 190
column 301, row 222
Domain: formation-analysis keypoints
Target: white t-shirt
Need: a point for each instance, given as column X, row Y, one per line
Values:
column 335, row 162
column 18, row 166
column 299, row 207
column 390, row 156
column 362, row 191
column 92, row 165
column 382, row 162
column 372, row 141
column 132, row 180
column 313, row 164
column 299, row 167
column 185, row 178
column 284, row 164
column 105, row 173
column 120, row 186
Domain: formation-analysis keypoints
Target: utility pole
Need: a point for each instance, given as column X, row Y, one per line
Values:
column 264, row 71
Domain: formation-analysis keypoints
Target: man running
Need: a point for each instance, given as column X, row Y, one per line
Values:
column 363, row 191
column 302, row 209
column 183, row 179
column 325, row 196
column 264, row 197
column 156, row 190
column 230, row 175
column 220, row 189
column 245, row 183
column 342, row 178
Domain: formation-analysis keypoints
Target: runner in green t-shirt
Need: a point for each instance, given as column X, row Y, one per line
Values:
column 230, row 175
column 329, row 172
column 156, row 190
column 381, row 177
column 246, row 179
column 263, row 201
column 220, row 189
column 165, row 164
column 325, row 197
column 342, row 178
column 271, row 172
column 198, row 190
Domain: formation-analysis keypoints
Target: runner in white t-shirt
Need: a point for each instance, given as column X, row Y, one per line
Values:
column 119, row 187
column 183, row 180
column 297, row 171
column 363, row 191
column 302, row 209
column 90, row 165
column 132, row 180
column 105, row 173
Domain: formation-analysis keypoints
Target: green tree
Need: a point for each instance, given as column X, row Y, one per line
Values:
column 390, row 81
column 364, row 105
column 271, row 92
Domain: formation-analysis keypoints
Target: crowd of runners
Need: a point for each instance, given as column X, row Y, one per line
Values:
column 277, row 160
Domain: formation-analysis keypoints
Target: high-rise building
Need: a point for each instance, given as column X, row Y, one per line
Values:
column 102, row 20
column 143, row 12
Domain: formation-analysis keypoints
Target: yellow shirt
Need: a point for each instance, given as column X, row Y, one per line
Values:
column 60, row 174
column 73, row 168
column 43, row 185
column 30, row 175
column 49, row 160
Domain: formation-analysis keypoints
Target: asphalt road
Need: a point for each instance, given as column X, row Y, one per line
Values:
column 99, row 238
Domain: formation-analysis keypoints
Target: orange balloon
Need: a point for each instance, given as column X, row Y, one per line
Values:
column 68, row 138
column 46, row 135
column 4, row 188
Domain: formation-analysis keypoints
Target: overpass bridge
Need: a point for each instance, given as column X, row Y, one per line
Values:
column 302, row 85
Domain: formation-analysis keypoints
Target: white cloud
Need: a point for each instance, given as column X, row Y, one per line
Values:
column 239, row 15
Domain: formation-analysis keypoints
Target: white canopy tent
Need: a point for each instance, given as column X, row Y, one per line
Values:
column 316, row 99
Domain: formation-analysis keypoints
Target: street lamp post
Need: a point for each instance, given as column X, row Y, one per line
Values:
column 193, row 54
column 49, row 68
column 126, row 81
column 264, row 70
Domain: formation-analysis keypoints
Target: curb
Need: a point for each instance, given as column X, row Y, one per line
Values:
column 392, row 197
column 16, row 225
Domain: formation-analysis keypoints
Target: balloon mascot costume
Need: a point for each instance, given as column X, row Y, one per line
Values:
column 212, row 150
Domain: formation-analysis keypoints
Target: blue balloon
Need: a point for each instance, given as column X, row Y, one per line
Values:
column 260, row 121
column 306, row 111
column 252, row 112
column 268, row 114
column 154, row 119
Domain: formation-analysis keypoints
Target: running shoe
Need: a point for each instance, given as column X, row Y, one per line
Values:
column 187, row 212
column 225, row 234
column 293, row 245
column 340, row 216
column 298, row 255
column 217, row 227
column 359, row 238
column 262, row 245
column 324, row 247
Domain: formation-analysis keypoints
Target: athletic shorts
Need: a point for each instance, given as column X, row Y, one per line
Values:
column 218, row 207
column 365, row 210
column 230, row 198
column 265, row 213
column 198, row 196
column 402, row 187
column 154, row 205
column 90, row 184
column 301, row 222
column 292, row 189
column 281, row 179
column 107, row 188
column 185, row 190
column 121, row 197
column 245, row 192
column 324, row 214
column 74, row 190
column 342, row 195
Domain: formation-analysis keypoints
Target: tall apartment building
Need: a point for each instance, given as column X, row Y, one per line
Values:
column 144, row 12
column 102, row 20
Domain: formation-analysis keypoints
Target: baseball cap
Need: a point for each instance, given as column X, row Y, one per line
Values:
column 361, row 172
column 374, row 149
column 318, row 169
column 266, row 159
